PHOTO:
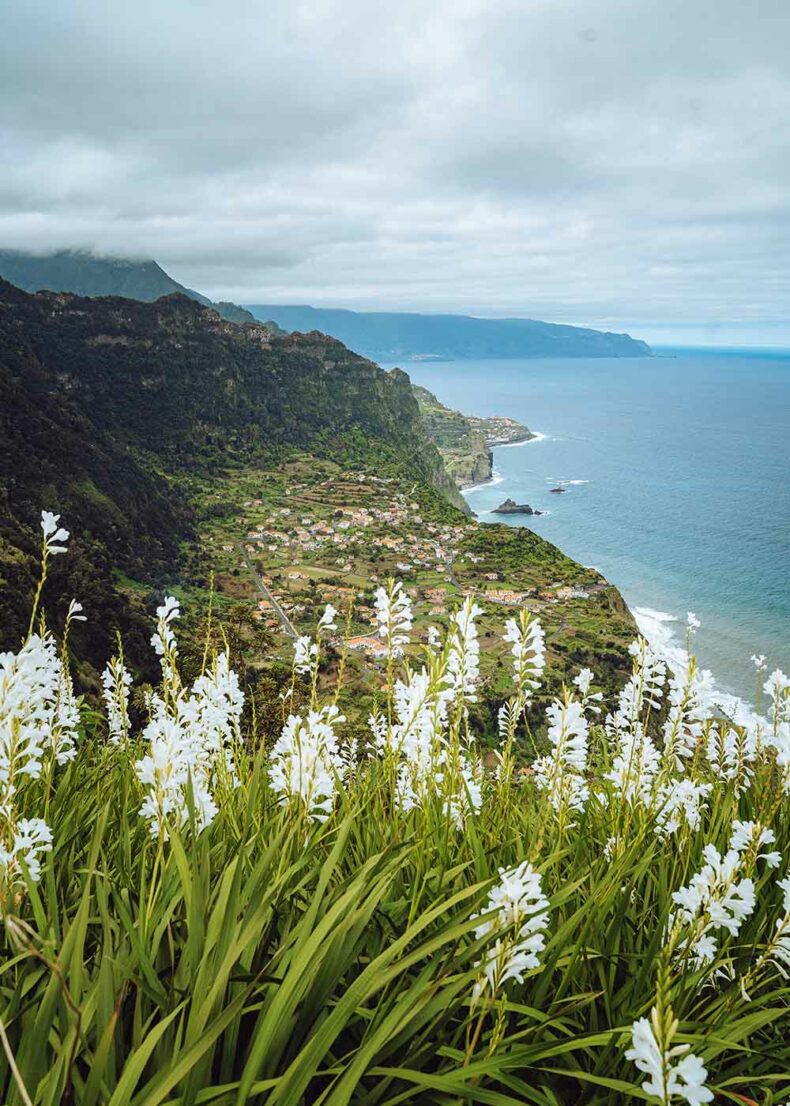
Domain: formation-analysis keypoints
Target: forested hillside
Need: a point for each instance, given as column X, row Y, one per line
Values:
column 106, row 402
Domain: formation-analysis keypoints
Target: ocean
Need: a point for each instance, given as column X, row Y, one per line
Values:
column 676, row 471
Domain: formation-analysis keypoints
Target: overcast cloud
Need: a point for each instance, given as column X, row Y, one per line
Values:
column 615, row 163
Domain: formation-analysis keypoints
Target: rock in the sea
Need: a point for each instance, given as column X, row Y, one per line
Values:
column 510, row 507
column 557, row 490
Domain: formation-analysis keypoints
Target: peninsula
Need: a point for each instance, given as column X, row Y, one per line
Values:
column 405, row 336
column 465, row 442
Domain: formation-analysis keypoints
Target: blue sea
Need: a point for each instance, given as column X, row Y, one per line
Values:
column 677, row 478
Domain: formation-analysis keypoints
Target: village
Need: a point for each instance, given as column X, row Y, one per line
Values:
column 309, row 534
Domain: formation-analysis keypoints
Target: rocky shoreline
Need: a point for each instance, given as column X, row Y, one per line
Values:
column 466, row 442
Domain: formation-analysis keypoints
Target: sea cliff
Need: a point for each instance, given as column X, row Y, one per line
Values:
column 465, row 442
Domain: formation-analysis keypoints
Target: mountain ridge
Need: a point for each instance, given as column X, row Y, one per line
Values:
column 86, row 274
column 392, row 336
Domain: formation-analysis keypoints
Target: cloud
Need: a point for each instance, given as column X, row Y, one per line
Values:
column 590, row 161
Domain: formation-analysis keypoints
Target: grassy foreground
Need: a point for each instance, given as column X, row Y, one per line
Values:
column 196, row 911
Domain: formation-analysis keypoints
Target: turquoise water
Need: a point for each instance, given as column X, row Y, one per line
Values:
column 686, row 499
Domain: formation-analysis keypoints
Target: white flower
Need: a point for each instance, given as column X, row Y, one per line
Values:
column 164, row 639
column 645, row 687
column 469, row 798
column 190, row 745
column 583, row 682
column 681, row 801
column 39, row 717
column 66, row 720
column 692, row 622
column 690, row 704
column 417, row 737
column 327, row 619
column 74, row 613
column 759, row 661
column 519, row 926
column 779, row 947
column 394, row 616
column 671, row 1071
column 732, row 752
column 55, row 536
column 561, row 772
column 31, row 838
column 305, row 762
column 507, row 717
column 377, row 724
column 750, row 836
column 716, row 898
column 116, row 681
column 777, row 687
column 30, row 694
column 784, row 884
column 527, row 646
column 463, row 660
column 305, row 653
column 635, row 766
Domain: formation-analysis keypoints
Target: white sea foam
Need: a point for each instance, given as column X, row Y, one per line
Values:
column 665, row 633
column 551, row 480
column 537, row 436
column 496, row 478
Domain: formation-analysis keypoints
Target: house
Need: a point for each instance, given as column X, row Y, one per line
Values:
column 364, row 643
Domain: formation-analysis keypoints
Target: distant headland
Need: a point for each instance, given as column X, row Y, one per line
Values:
column 400, row 336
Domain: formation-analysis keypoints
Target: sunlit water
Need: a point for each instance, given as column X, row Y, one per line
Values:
column 676, row 470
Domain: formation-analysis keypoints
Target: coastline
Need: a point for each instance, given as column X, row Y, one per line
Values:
column 496, row 477
column 534, row 436
column 662, row 630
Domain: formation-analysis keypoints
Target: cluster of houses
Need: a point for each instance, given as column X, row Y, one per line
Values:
column 396, row 529
column 328, row 530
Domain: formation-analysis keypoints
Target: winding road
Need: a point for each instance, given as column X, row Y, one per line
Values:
column 285, row 622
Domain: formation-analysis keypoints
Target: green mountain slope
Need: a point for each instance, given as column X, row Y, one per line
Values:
column 85, row 274
column 180, row 448
column 109, row 403
column 390, row 336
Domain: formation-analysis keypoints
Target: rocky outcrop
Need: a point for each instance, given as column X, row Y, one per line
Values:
column 510, row 507
column 465, row 441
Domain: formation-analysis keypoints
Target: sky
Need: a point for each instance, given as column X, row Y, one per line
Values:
column 622, row 164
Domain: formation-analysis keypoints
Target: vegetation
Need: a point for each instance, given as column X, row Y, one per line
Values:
column 109, row 403
column 167, row 436
column 313, row 531
column 205, row 904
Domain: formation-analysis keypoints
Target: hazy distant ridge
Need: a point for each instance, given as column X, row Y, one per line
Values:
column 86, row 274
column 391, row 336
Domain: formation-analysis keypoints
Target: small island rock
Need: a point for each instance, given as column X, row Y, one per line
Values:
column 510, row 507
